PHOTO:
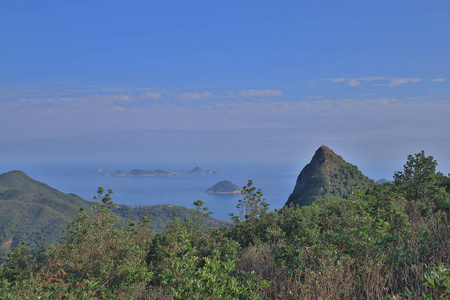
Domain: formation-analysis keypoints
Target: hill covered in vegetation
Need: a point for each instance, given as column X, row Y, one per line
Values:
column 388, row 242
column 326, row 174
column 30, row 210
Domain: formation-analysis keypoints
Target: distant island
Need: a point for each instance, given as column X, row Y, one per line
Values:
column 140, row 172
column 224, row 187
column 159, row 172
column 200, row 171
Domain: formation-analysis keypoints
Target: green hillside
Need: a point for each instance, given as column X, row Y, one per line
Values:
column 326, row 174
column 30, row 209
column 18, row 180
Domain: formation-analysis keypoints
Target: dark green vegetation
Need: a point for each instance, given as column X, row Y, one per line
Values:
column 326, row 174
column 160, row 215
column 224, row 187
column 30, row 209
column 388, row 242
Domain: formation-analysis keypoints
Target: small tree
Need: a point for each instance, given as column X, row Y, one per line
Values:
column 199, row 214
column 418, row 172
column 252, row 205
column 251, row 225
column 420, row 182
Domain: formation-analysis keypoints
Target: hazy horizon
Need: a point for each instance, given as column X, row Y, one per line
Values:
column 234, row 81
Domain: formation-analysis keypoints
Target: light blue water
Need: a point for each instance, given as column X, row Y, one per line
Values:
column 275, row 180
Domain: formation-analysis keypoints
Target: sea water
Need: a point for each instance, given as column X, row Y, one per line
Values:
column 276, row 180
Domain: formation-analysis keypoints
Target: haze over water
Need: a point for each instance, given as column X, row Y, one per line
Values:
column 227, row 80
column 275, row 180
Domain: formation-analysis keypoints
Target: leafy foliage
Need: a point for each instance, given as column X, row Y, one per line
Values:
column 438, row 280
column 94, row 257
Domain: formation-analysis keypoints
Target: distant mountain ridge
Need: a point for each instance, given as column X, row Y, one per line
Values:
column 159, row 172
column 200, row 171
column 140, row 172
column 326, row 174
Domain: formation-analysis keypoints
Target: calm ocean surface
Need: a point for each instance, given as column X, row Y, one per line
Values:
column 275, row 180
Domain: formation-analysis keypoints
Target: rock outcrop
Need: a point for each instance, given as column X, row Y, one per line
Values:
column 326, row 174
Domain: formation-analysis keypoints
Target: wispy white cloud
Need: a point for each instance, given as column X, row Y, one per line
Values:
column 439, row 79
column 231, row 94
column 398, row 81
column 241, row 110
column 151, row 95
column 339, row 79
column 353, row 82
column 265, row 113
column 118, row 108
column 195, row 96
column 255, row 93
column 385, row 81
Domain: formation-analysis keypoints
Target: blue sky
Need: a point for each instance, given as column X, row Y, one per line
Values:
column 225, row 80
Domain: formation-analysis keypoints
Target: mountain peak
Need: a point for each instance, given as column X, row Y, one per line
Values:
column 323, row 153
column 18, row 180
column 326, row 174
column 12, row 179
column 14, row 173
column 324, row 148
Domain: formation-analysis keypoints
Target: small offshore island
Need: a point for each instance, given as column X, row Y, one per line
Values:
column 159, row 172
column 224, row 187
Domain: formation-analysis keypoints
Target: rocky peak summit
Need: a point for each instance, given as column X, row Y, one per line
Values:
column 326, row 174
column 324, row 154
